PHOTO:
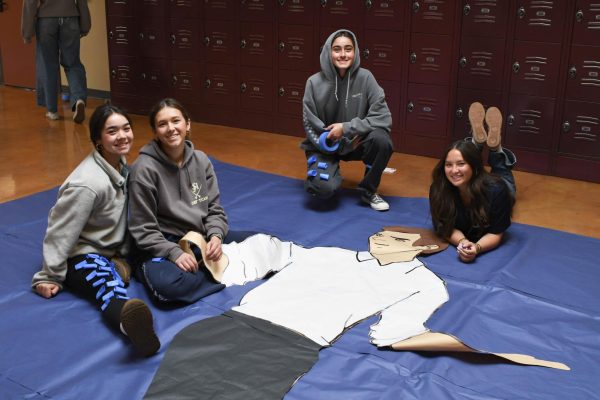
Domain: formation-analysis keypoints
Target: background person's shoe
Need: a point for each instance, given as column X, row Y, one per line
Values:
column 52, row 116
column 79, row 114
column 138, row 324
column 476, row 118
column 375, row 201
column 493, row 118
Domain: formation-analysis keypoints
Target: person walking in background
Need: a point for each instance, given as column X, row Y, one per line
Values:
column 58, row 25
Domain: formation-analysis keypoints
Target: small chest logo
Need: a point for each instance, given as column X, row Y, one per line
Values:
column 356, row 95
column 198, row 198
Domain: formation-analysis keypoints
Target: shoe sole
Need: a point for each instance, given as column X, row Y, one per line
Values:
column 137, row 321
column 79, row 115
column 493, row 118
column 476, row 118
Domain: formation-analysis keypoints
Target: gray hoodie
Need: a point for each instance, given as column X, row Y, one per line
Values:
column 90, row 216
column 356, row 100
column 166, row 199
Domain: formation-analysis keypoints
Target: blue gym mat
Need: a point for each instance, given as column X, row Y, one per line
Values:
column 538, row 294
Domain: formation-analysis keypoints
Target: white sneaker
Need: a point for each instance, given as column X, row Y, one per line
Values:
column 79, row 114
column 52, row 116
column 375, row 201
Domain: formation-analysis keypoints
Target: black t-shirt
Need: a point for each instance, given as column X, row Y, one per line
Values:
column 499, row 209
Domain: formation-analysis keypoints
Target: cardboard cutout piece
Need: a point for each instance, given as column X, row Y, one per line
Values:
column 216, row 268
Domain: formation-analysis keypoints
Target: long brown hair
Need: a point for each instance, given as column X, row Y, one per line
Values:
column 443, row 196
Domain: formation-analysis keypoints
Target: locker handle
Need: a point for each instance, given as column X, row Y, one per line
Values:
column 516, row 67
column 143, row 76
column 566, row 126
column 174, row 79
column 572, row 72
column 173, row 39
column 416, row 7
column 463, row 62
column 466, row 10
column 111, row 34
column 511, row 119
column 281, row 2
column 521, row 12
column 413, row 58
column 366, row 53
column 243, row 87
column 368, row 4
column 323, row 3
column 243, row 44
column 579, row 16
column 281, row 46
column 207, row 83
column 113, row 73
column 410, row 106
column 141, row 35
column 206, row 40
column 459, row 113
column 281, row 91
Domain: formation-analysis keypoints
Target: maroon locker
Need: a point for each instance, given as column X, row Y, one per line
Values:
column 256, row 89
column 381, row 53
column 583, row 82
column 184, row 39
column 464, row 99
column 152, row 38
column 150, row 8
column 220, row 86
column 427, row 109
column 123, row 74
column 256, row 44
column 342, row 13
column 220, row 9
column 529, row 122
column 122, row 35
column 290, row 91
column 296, row 47
column 152, row 76
column 485, row 18
column 185, row 9
column 430, row 59
column 387, row 15
column 297, row 11
column 577, row 168
column 586, row 29
column 220, row 45
column 257, row 10
column 580, row 134
column 542, row 21
column 392, row 98
column 433, row 16
column 535, row 68
column 185, row 80
column 481, row 63
column 119, row 7
column 125, row 102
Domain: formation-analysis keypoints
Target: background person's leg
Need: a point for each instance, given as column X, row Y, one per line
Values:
column 47, row 66
column 70, row 59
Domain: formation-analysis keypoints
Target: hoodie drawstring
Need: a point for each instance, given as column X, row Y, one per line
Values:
column 336, row 96
column 347, row 92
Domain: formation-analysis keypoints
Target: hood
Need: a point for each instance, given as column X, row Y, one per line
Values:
column 327, row 65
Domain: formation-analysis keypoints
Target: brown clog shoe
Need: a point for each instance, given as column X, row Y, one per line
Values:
column 476, row 117
column 493, row 118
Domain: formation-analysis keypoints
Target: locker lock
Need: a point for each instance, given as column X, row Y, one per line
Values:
column 207, row 83
column 281, row 91
column 579, row 16
column 566, row 126
column 323, row 3
column 113, row 73
column 243, row 44
column 516, row 67
column 511, row 119
column 366, row 53
column 521, row 12
column 413, row 58
column 416, row 6
column 243, row 87
column 368, row 4
column 281, row 2
column 466, row 9
column 206, row 40
column 173, row 39
column 281, row 46
column 572, row 72
column 463, row 62
column 111, row 34
column 141, row 35
column 143, row 76
column 410, row 107
column 459, row 113
column 174, row 80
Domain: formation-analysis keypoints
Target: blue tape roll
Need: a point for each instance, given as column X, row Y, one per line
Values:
column 312, row 172
column 322, row 165
column 311, row 160
column 324, row 177
column 325, row 146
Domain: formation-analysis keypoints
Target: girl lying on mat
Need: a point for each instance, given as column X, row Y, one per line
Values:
column 87, row 233
column 470, row 207
column 173, row 189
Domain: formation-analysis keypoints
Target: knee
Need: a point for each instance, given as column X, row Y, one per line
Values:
column 166, row 281
column 319, row 188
